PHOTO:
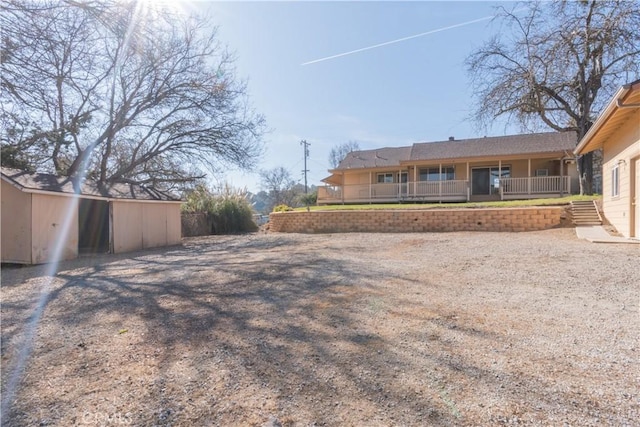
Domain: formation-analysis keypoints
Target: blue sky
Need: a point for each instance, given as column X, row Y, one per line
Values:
column 392, row 95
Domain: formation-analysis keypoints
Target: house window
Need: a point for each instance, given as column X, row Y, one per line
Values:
column 385, row 178
column 433, row 174
column 615, row 181
column 542, row 172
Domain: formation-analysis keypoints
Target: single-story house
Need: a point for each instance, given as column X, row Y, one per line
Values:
column 490, row 168
column 45, row 219
column 617, row 132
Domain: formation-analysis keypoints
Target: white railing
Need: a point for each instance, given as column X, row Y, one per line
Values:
column 329, row 193
column 440, row 188
column 395, row 191
column 443, row 190
column 536, row 185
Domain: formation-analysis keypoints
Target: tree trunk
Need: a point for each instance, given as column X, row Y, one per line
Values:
column 585, row 172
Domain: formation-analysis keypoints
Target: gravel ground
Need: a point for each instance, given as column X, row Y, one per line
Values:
column 347, row 329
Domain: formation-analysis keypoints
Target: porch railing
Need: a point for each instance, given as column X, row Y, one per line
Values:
column 395, row 191
column 440, row 188
column 452, row 190
column 536, row 185
column 329, row 193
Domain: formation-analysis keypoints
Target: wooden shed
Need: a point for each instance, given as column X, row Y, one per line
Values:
column 45, row 218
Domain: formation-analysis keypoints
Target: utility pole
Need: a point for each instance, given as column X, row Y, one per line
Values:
column 306, row 154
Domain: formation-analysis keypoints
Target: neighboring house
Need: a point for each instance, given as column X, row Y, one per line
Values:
column 617, row 133
column 36, row 207
column 491, row 168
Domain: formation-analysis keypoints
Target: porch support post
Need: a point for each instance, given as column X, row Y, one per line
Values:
column 415, row 180
column 370, row 185
column 468, row 183
column 529, row 175
column 499, row 179
column 343, row 188
column 399, row 197
column 440, row 182
column 561, row 177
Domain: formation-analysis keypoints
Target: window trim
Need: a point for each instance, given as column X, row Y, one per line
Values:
column 444, row 172
column 615, row 180
column 385, row 175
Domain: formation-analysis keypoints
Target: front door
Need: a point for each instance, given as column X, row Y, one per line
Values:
column 480, row 181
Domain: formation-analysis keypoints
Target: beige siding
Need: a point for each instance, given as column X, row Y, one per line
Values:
column 174, row 230
column 154, row 225
column 622, row 149
column 127, row 226
column 15, row 213
column 54, row 225
column 358, row 178
column 145, row 225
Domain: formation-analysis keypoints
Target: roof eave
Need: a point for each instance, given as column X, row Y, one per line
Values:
column 560, row 153
column 587, row 143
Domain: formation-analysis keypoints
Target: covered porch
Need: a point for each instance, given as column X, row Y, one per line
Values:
column 510, row 179
column 445, row 191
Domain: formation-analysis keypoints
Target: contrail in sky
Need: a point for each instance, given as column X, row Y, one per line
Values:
column 486, row 18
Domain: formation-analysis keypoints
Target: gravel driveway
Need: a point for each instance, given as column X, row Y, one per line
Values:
column 436, row 329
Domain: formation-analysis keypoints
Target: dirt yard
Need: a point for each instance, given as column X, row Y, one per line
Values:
column 441, row 329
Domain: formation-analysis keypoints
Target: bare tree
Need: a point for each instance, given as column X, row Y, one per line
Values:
column 556, row 65
column 279, row 185
column 121, row 91
column 340, row 151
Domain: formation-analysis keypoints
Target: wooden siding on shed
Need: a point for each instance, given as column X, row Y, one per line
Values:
column 15, row 214
column 145, row 225
column 54, row 224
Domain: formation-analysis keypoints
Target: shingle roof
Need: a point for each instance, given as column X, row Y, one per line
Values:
column 527, row 144
column 535, row 143
column 381, row 157
column 58, row 184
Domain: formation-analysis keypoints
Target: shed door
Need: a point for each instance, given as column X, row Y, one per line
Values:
column 93, row 226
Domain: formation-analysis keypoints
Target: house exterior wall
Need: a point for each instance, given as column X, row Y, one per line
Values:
column 15, row 214
column 354, row 178
column 144, row 225
column 622, row 149
column 52, row 215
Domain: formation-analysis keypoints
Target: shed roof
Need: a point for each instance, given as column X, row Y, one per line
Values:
column 33, row 181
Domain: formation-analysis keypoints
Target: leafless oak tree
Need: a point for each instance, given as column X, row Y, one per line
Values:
column 279, row 186
column 122, row 91
column 556, row 65
column 340, row 151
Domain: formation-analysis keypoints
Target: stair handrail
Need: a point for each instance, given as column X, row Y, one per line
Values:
column 597, row 211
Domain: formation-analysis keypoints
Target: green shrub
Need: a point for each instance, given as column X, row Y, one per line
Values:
column 228, row 209
column 282, row 208
column 309, row 199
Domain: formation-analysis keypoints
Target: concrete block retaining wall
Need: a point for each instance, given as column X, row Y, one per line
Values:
column 403, row 221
